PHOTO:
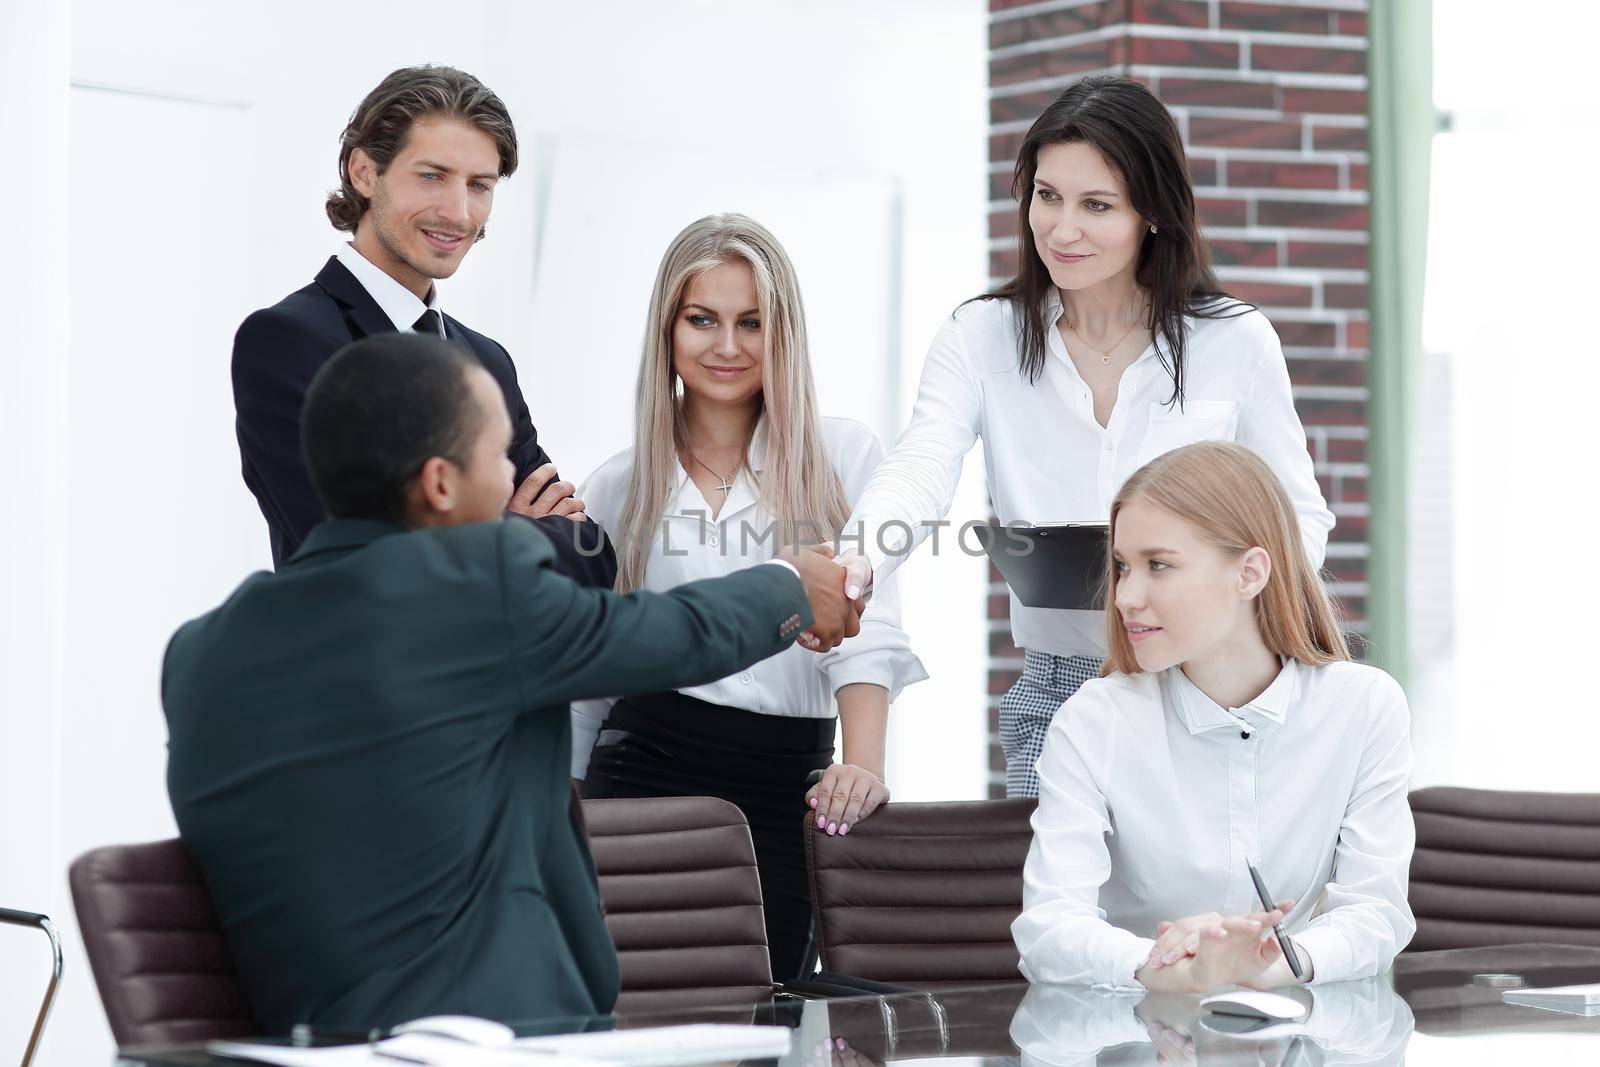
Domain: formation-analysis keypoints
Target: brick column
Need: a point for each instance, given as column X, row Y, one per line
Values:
column 1272, row 102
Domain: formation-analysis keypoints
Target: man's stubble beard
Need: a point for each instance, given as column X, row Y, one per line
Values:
column 395, row 248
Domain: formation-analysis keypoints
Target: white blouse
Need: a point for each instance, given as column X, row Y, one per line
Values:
column 1049, row 460
column 689, row 545
column 1152, row 799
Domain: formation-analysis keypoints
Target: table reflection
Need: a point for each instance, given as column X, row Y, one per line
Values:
column 1349, row 1022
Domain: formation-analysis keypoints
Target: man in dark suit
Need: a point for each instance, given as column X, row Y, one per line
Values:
column 369, row 749
column 418, row 167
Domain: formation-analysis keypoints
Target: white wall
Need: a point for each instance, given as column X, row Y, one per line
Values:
column 1511, row 282
column 202, row 139
column 33, row 441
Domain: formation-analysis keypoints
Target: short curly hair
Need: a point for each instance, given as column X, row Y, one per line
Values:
column 380, row 125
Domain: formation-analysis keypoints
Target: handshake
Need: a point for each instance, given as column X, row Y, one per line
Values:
column 836, row 614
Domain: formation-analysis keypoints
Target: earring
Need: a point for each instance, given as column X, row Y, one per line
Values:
column 1152, row 229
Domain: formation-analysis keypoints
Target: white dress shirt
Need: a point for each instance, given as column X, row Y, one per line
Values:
column 1050, row 461
column 689, row 545
column 397, row 302
column 1152, row 799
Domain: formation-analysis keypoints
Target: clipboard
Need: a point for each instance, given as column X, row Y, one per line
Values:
column 1058, row 566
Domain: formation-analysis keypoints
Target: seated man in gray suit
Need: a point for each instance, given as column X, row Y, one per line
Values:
column 369, row 749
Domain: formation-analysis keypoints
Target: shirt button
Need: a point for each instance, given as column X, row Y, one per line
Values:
column 1245, row 734
column 746, row 678
column 712, row 540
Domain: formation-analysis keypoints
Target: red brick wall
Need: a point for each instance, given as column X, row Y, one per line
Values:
column 1272, row 101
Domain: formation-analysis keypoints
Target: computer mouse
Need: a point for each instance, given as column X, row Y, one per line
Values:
column 1254, row 1004
column 469, row 1029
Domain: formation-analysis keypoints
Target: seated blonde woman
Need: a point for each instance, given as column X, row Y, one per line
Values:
column 1230, row 728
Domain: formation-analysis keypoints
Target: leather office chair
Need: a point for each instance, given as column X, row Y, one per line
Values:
column 922, row 895
column 154, row 947
column 1498, row 868
column 12, row 917
column 677, row 878
column 682, row 901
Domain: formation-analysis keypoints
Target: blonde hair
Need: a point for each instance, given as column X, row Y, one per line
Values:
column 798, row 487
column 1229, row 493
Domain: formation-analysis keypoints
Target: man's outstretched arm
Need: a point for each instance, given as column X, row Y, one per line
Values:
column 572, row 642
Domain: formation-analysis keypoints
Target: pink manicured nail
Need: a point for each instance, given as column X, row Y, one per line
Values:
column 854, row 592
column 844, row 828
column 822, row 820
column 832, row 827
column 812, row 802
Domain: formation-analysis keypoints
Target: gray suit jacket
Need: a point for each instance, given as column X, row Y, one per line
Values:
column 369, row 760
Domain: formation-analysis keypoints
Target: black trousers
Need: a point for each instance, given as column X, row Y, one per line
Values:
column 672, row 745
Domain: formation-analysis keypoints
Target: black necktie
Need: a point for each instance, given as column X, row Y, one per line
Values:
column 431, row 323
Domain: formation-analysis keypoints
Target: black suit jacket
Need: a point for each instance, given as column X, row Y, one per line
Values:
column 275, row 354
column 369, row 761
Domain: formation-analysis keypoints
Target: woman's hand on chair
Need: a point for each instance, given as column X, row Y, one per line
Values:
column 846, row 795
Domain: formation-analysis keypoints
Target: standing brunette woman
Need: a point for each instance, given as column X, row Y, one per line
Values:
column 1112, row 345
column 730, row 461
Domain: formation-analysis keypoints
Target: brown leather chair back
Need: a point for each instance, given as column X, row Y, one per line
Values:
column 922, row 895
column 1497, row 868
column 153, row 944
column 682, row 901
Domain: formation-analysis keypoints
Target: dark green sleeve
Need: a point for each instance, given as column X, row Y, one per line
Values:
column 572, row 642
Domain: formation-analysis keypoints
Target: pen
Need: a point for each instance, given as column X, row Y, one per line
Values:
column 1277, row 929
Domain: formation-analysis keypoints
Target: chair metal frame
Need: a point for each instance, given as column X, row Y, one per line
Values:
column 41, row 922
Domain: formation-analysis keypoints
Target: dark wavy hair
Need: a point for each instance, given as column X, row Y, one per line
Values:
column 383, row 120
column 1136, row 134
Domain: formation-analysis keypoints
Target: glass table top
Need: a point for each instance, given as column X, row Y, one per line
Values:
column 1434, row 1007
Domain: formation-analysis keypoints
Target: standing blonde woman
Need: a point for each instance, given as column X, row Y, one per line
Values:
column 730, row 460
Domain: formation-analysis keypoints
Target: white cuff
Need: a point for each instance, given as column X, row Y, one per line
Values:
column 1331, row 957
column 785, row 564
column 891, row 668
column 1127, row 969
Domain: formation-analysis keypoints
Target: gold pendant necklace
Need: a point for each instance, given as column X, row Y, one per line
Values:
column 1105, row 353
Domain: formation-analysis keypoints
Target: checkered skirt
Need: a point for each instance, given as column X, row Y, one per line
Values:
column 1028, row 707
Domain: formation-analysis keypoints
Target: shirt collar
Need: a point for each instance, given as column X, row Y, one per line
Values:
column 1052, row 313
column 397, row 302
column 745, row 491
column 1276, row 699
column 1200, row 713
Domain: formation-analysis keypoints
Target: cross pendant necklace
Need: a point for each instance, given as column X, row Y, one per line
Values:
column 724, row 481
